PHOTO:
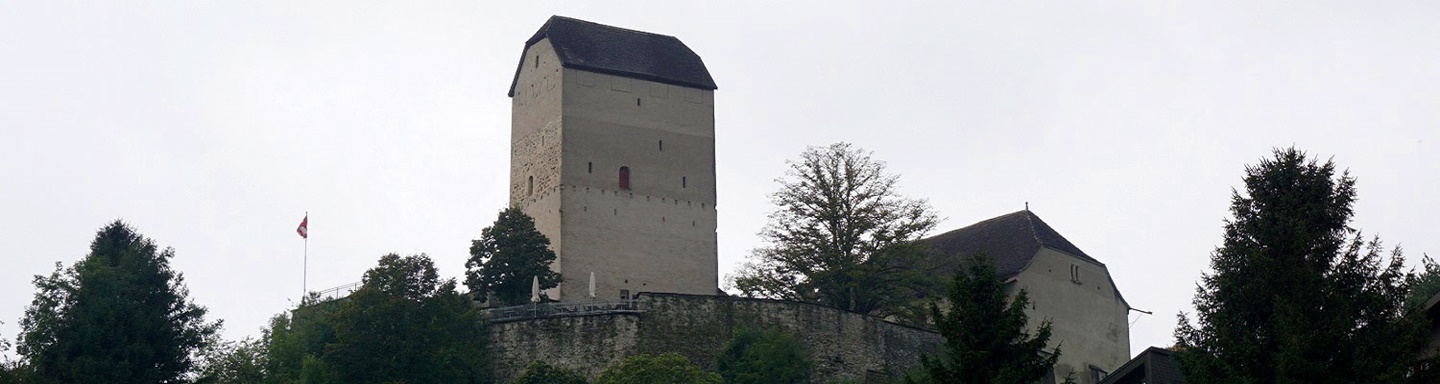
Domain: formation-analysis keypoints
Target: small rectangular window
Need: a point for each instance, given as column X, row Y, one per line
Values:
column 682, row 182
column 662, row 145
column 590, row 167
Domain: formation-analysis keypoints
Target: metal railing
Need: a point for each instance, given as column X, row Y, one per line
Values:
column 548, row 310
column 339, row 292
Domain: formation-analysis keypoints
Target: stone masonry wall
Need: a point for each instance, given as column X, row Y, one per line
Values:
column 841, row 344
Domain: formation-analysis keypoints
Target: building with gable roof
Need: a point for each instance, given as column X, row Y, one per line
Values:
column 1065, row 285
column 613, row 153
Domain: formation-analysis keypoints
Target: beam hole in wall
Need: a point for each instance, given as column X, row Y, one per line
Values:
column 530, row 187
column 683, row 183
column 589, row 167
column 662, row 219
column 585, row 208
column 662, row 145
column 537, row 61
column 637, row 102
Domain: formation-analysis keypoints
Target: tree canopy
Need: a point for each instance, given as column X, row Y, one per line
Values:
column 662, row 369
column 506, row 259
column 761, row 356
column 841, row 235
column 1296, row 295
column 405, row 325
column 986, row 341
column 233, row 362
column 540, row 372
column 119, row 315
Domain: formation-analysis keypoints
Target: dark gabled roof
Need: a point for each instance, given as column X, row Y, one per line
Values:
column 622, row 52
column 1011, row 240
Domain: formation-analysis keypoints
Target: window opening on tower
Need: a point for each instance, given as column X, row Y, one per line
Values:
column 625, row 178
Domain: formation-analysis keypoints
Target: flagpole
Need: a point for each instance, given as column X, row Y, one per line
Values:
column 305, row 268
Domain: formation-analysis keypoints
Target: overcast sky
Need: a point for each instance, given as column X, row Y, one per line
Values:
column 212, row 127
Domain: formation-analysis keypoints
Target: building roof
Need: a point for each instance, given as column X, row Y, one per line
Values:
column 622, row 52
column 1152, row 366
column 1432, row 306
column 1011, row 240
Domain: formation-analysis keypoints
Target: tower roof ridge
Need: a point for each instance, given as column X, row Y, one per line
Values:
column 601, row 48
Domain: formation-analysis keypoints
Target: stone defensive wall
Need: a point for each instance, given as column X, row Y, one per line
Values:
column 589, row 336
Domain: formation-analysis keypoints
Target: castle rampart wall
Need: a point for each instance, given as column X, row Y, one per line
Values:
column 841, row 344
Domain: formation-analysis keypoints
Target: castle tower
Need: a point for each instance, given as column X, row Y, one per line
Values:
column 613, row 153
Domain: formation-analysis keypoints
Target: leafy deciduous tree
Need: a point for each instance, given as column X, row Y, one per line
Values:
column 11, row 371
column 841, row 236
column 506, row 259
column 295, row 337
column 985, row 337
column 405, row 325
column 763, row 356
column 1296, row 295
column 663, row 369
column 234, row 362
column 540, row 372
column 120, row 315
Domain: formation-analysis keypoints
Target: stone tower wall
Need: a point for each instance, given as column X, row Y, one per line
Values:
column 572, row 131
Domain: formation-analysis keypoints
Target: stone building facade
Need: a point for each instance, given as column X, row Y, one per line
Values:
column 1066, row 287
column 613, row 154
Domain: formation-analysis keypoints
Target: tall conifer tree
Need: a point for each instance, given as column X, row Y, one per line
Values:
column 1296, row 295
column 120, row 315
column 986, row 341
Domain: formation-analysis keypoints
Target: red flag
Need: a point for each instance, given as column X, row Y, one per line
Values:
column 304, row 229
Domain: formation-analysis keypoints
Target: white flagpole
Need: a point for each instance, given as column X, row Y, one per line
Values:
column 305, row 268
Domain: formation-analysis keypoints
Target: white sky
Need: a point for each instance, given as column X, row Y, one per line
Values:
column 213, row 128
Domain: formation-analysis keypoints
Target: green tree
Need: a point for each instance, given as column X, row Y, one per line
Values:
column 986, row 341
column 11, row 371
column 1295, row 294
column 841, row 236
column 1425, row 284
column 405, row 325
column 119, row 315
column 506, row 259
column 666, row 368
column 233, row 362
column 762, row 356
column 295, row 337
column 540, row 372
